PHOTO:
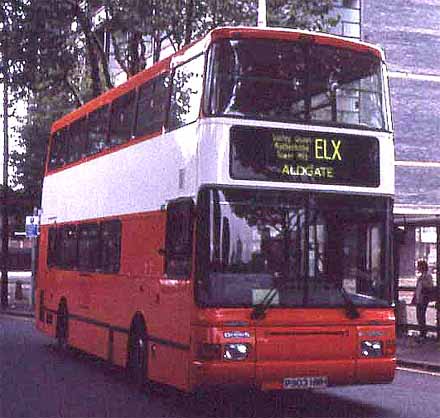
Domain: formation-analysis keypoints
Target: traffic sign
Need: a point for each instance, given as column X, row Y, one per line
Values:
column 32, row 226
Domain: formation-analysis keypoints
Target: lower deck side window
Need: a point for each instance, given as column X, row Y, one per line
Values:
column 111, row 246
column 92, row 247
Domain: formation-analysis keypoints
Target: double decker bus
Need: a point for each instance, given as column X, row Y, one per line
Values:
column 225, row 217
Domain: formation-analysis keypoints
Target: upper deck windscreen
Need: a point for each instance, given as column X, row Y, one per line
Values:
column 295, row 82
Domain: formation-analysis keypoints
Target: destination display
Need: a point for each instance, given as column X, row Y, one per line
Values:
column 307, row 157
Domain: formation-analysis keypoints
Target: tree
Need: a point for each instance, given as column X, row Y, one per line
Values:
column 29, row 156
column 139, row 28
column 61, row 53
column 64, row 48
column 309, row 14
column 11, row 29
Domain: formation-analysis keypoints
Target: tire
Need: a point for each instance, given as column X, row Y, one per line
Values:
column 62, row 330
column 137, row 356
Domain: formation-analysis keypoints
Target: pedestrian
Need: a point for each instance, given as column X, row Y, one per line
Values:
column 421, row 295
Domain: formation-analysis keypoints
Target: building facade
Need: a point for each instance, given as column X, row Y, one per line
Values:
column 409, row 31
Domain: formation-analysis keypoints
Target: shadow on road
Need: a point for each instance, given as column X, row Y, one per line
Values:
column 304, row 404
column 160, row 400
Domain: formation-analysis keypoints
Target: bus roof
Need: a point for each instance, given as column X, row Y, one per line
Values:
column 201, row 45
column 320, row 38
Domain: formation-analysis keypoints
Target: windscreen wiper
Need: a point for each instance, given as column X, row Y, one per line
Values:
column 350, row 307
column 259, row 311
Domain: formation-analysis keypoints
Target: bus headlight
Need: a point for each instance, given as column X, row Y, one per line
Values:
column 371, row 348
column 236, row 351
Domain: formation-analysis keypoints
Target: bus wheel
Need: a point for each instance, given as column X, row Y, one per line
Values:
column 62, row 330
column 137, row 356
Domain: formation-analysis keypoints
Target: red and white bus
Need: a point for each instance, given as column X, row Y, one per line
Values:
column 225, row 217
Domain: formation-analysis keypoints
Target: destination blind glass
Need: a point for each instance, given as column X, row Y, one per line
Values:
column 308, row 157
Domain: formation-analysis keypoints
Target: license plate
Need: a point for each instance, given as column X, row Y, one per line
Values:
column 307, row 382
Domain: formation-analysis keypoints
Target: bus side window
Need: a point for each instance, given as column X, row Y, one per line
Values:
column 179, row 237
column 78, row 140
column 67, row 250
column 65, row 137
column 98, row 129
column 111, row 246
column 186, row 94
column 59, row 149
column 122, row 116
column 52, row 247
column 54, row 156
column 153, row 96
column 88, row 247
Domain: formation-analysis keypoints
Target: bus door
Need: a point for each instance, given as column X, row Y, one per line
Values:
column 174, row 300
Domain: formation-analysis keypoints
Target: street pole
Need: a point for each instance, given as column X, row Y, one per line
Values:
column 262, row 13
column 34, row 260
column 4, row 211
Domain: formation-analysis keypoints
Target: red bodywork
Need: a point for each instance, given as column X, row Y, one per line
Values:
column 286, row 343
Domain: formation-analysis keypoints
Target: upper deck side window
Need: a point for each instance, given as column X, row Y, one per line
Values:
column 59, row 148
column 98, row 129
column 186, row 93
column 78, row 140
column 152, row 105
column 122, row 117
column 135, row 114
column 295, row 82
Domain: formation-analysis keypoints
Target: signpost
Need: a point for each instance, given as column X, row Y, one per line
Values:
column 33, row 231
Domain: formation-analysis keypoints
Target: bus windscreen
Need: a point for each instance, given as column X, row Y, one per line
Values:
column 295, row 82
column 316, row 250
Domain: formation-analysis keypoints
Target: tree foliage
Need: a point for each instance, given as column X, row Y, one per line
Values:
column 29, row 156
column 65, row 44
column 11, row 53
column 61, row 51
column 313, row 15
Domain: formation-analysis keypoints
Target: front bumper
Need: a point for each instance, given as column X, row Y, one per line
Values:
column 270, row 375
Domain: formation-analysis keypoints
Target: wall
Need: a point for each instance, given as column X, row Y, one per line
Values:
column 409, row 32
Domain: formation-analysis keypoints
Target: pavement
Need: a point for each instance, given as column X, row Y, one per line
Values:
column 19, row 293
column 411, row 352
column 18, row 308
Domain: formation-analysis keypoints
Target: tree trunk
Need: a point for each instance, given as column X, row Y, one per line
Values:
column 92, row 54
column 189, row 6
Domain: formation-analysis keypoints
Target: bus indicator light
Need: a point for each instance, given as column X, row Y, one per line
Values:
column 236, row 351
column 371, row 348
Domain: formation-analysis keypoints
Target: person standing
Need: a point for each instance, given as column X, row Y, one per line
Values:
column 421, row 295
